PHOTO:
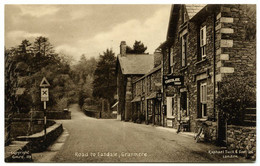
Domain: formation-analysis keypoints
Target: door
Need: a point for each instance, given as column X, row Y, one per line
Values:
column 157, row 113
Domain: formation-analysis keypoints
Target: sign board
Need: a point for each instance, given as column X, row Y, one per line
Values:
column 44, row 94
column 44, row 83
column 173, row 80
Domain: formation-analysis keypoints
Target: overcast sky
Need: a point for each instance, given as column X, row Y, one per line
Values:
column 87, row 29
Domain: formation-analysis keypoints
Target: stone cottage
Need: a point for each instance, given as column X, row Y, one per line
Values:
column 146, row 103
column 129, row 67
column 205, row 45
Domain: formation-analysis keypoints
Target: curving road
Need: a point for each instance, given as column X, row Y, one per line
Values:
column 100, row 140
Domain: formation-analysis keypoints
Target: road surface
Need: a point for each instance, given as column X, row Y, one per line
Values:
column 108, row 140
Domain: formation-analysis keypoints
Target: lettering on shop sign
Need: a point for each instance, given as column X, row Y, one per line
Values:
column 173, row 80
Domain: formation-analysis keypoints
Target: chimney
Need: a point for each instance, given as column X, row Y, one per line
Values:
column 157, row 58
column 123, row 48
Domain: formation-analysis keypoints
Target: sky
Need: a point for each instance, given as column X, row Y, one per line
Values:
column 87, row 29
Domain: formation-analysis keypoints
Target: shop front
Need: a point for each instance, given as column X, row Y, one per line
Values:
column 154, row 108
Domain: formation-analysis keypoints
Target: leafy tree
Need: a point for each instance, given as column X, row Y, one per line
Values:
column 83, row 75
column 26, row 65
column 104, row 83
column 138, row 48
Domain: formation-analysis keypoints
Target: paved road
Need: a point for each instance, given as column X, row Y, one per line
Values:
column 91, row 140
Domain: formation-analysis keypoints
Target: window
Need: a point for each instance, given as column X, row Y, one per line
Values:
column 203, row 43
column 203, row 99
column 183, row 50
column 183, row 103
column 183, row 15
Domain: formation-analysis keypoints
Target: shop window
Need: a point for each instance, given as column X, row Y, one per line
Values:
column 183, row 103
column 203, row 43
column 184, row 51
column 202, row 99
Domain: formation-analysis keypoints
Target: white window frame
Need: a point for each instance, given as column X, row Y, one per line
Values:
column 203, row 98
column 203, row 41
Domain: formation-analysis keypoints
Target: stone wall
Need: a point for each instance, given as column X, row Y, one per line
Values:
column 38, row 142
column 242, row 139
column 58, row 115
column 27, row 124
column 121, row 88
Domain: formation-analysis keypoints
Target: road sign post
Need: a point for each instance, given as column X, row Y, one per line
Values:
column 44, row 97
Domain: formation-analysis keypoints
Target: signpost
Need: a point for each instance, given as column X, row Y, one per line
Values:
column 44, row 97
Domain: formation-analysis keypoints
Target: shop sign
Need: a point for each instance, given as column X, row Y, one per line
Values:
column 173, row 80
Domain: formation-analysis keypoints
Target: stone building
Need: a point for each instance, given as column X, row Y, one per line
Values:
column 205, row 45
column 146, row 103
column 129, row 67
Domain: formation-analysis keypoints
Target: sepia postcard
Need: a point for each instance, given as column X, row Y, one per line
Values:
column 130, row 83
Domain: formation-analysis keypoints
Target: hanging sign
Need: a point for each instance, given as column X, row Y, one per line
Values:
column 173, row 80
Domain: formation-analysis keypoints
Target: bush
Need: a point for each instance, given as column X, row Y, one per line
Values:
column 234, row 96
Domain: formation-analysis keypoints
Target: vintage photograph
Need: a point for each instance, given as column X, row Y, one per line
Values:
column 130, row 83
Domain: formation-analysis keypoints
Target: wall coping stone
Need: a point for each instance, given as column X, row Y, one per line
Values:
column 242, row 127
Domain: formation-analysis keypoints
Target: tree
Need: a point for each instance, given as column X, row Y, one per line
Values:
column 43, row 46
column 138, row 48
column 104, row 83
column 234, row 96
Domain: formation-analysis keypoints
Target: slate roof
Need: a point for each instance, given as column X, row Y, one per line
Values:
column 150, row 72
column 136, row 63
column 193, row 9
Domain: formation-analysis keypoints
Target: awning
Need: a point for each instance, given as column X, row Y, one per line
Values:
column 136, row 99
column 152, row 95
column 115, row 104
